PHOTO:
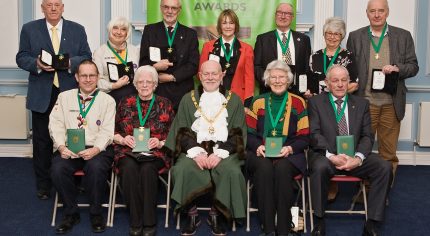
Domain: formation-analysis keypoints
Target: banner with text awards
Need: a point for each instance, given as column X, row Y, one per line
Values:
column 255, row 16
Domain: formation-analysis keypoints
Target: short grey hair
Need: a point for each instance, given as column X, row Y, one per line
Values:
column 278, row 65
column 336, row 66
column 121, row 22
column 139, row 73
column 335, row 24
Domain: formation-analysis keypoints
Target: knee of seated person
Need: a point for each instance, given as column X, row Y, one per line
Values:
column 319, row 167
column 126, row 164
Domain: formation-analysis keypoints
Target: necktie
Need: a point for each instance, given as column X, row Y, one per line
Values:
column 56, row 46
column 227, row 48
column 287, row 53
column 169, row 30
column 342, row 128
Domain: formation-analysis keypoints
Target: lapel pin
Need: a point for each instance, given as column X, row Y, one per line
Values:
column 298, row 39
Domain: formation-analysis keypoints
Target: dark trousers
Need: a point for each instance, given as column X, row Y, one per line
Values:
column 273, row 181
column 95, row 180
column 139, row 182
column 374, row 169
column 42, row 144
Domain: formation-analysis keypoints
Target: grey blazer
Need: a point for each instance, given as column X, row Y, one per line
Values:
column 402, row 54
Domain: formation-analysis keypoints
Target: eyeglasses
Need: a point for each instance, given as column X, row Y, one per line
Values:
column 333, row 34
column 284, row 13
column 145, row 82
column 86, row 76
column 167, row 8
column 278, row 78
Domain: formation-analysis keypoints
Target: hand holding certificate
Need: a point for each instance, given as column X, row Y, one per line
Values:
column 58, row 62
column 76, row 140
column 386, row 83
column 141, row 137
column 116, row 71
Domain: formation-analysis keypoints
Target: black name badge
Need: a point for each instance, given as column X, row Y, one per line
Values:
column 386, row 83
column 116, row 71
column 58, row 62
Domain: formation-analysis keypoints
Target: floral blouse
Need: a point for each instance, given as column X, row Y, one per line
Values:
column 160, row 118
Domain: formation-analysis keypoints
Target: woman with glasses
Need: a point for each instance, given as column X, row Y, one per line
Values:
column 116, row 60
column 236, row 57
column 278, row 130
column 334, row 32
column 138, row 171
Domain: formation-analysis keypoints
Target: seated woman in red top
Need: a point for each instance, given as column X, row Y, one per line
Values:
column 139, row 173
column 236, row 57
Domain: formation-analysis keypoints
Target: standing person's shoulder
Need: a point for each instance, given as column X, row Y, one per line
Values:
column 359, row 31
column 397, row 30
column 300, row 36
column 73, row 25
column 266, row 34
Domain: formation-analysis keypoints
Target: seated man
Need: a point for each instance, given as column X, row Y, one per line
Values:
column 207, row 135
column 94, row 111
column 327, row 122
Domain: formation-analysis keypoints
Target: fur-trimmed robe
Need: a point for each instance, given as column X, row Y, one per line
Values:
column 229, row 192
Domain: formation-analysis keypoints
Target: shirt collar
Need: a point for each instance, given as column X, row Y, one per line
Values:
column 386, row 31
column 280, row 32
column 166, row 25
column 59, row 26
column 225, row 41
column 335, row 98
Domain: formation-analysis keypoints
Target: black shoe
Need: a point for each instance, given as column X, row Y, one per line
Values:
column 319, row 229
column 370, row 229
column 218, row 228
column 135, row 231
column 98, row 224
column 149, row 231
column 67, row 224
column 191, row 225
column 43, row 194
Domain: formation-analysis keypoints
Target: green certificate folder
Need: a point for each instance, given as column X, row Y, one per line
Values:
column 76, row 140
column 141, row 136
column 273, row 146
column 345, row 144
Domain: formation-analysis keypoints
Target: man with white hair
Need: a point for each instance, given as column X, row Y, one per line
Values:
column 380, row 48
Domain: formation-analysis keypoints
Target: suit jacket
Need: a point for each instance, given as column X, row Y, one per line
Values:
column 402, row 54
column 265, row 51
column 187, row 58
column 324, row 129
column 34, row 37
column 243, row 79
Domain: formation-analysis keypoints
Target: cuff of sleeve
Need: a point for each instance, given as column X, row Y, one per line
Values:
column 360, row 155
column 328, row 154
column 193, row 152
column 221, row 153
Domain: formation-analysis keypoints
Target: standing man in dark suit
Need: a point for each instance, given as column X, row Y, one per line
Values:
column 172, row 49
column 390, row 49
column 282, row 44
column 350, row 115
column 56, row 36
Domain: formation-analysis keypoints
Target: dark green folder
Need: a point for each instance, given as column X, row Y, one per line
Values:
column 273, row 147
column 76, row 140
column 345, row 145
column 141, row 136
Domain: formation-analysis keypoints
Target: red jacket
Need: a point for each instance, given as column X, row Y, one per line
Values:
column 243, row 79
